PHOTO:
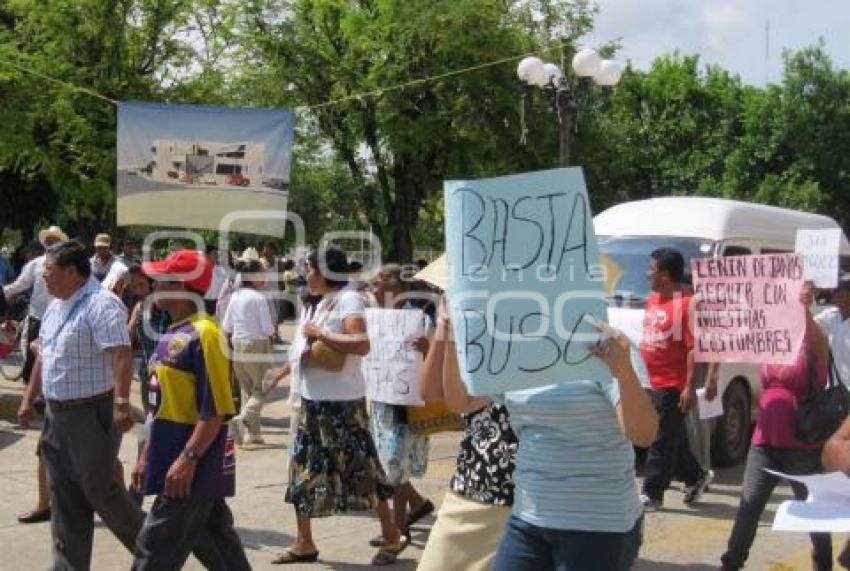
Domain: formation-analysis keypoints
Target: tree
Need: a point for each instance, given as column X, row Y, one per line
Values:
column 400, row 144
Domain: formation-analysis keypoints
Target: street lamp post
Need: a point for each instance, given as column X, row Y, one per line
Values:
column 565, row 90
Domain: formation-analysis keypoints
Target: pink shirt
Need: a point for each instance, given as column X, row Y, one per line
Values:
column 782, row 388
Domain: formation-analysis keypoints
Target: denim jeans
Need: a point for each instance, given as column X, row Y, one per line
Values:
column 669, row 454
column 756, row 490
column 527, row 547
column 174, row 528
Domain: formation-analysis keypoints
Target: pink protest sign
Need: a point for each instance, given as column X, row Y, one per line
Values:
column 747, row 309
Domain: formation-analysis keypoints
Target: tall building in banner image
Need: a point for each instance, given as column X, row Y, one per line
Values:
column 206, row 163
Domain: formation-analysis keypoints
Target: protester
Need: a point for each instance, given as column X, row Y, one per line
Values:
column 271, row 283
column 335, row 467
column 106, row 268
column 775, row 445
column 477, row 506
column 219, row 277
column 7, row 272
column 836, row 457
column 835, row 324
column 128, row 255
column 290, row 285
column 147, row 323
column 26, row 412
column 188, row 461
column 403, row 453
column 667, row 351
column 248, row 323
column 86, row 372
column 31, row 279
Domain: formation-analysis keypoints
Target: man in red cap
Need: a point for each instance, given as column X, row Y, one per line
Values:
column 188, row 461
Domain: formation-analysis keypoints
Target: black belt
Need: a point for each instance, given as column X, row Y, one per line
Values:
column 76, row 403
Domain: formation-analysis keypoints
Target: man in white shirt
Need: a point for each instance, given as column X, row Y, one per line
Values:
column 32, row 278
column 835, row 324
column 248, row 322
column 105, row 267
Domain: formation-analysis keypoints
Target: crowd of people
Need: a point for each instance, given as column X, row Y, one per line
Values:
column 545, row 478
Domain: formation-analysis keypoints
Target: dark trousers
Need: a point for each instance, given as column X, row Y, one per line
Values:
column 30, row 335
column 669, row 454
column 527, row 547
column 755, row 492
column 174, row 528
column 80, row 448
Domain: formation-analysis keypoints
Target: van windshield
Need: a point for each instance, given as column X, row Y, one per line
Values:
column 626, row 260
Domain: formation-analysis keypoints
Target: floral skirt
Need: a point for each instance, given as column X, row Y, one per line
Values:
column 403, row 453
column 335, row 466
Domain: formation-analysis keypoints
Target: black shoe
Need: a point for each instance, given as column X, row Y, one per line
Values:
column 34, row 516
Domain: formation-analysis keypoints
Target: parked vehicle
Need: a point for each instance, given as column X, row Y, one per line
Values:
column 697, row 227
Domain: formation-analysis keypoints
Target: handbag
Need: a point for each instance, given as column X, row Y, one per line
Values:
column 822, row 410
column 433, row 418
column 320, row 354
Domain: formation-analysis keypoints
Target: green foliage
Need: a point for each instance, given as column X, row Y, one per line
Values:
column 379, row 161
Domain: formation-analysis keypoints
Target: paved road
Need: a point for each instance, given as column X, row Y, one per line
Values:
column 677, row 538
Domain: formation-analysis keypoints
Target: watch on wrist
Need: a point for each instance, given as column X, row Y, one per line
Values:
column 190, row 454
column 121, row 401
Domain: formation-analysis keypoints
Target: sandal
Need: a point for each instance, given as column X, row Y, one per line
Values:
column 388, row 554
column 291, row 556
column 378, row 540
column 425, row 509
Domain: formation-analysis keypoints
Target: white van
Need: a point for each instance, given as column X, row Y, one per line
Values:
column 697, row 227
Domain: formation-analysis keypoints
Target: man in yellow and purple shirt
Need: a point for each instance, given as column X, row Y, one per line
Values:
column 189, row 461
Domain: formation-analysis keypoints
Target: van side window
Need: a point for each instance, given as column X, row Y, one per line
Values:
column 736, row 251
column 776, row 251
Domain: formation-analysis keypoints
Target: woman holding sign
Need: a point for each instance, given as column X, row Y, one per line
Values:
column 775, row 445
column 469, row 525
column 334, row 466
column 576, row 505
column 403, row 453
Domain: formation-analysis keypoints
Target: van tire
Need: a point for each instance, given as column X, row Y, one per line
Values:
column 732, row 435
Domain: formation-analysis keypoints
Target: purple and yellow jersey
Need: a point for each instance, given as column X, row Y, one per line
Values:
column 190, row 381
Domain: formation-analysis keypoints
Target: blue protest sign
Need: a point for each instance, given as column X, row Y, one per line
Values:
column 524, row 272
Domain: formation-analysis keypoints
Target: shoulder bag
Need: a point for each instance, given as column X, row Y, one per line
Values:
column 822, row 410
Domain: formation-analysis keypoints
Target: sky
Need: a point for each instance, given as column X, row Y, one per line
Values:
column 729, row 33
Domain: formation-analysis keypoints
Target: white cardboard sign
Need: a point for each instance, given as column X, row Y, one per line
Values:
column 391, row 368
column 819, row 250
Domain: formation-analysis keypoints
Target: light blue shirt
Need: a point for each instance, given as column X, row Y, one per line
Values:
column 75, row 335
column 574, row 467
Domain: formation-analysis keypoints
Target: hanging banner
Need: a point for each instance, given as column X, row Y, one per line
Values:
column 391, row 368
column 747, row 309
column 524, row 273
column 193, row 166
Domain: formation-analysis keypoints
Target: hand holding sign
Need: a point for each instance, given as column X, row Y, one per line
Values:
column 391, row 368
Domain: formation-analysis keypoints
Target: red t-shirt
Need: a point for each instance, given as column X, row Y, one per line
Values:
column 667, row 338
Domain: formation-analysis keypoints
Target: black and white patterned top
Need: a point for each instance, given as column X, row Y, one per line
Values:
column 485, row 462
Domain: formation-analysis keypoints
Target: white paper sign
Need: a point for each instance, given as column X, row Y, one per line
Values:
column 391, row 368
column 827, row 509
column 709, row 408
column 819, row 249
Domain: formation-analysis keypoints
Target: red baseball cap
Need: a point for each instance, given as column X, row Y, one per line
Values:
column 191, row 267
